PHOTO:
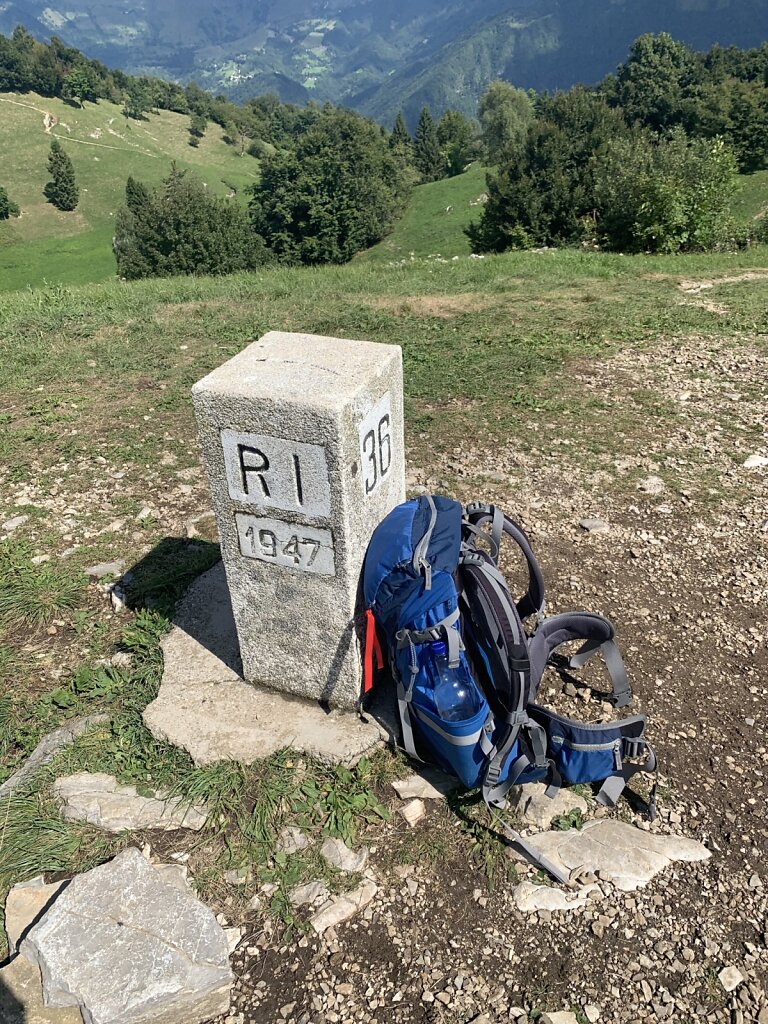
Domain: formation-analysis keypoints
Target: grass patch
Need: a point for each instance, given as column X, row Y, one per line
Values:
column 433, row 225
column 33, row 596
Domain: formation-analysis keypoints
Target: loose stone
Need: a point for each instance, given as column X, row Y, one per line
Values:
column 652, row 485
column 413, row 812
column 341, row 908
column 730, row 978
column 338, row 855
column 426, row 784
column 536, row 809
column 594, row 525
column 102, row 801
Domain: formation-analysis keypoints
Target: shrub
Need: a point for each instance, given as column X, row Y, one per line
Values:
column 668, row 194
column 181, row 229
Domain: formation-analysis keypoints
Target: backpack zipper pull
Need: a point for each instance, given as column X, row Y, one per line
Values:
column 426, row 568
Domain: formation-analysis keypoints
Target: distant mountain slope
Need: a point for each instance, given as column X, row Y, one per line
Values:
column 105, row 147
column 380, row 56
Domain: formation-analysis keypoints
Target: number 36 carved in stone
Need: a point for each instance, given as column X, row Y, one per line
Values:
column 376, row 445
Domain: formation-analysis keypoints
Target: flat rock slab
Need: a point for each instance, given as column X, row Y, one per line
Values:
column 48, row 748
column 126, row 947
column 309, row 893
column 530, row 898
column 25, row 904
column 100, row 800
column 106, row 568
column 336, row 853
column 426, row 784
column 206, row 707
column 630, row 856
column 21, row 997
column 534, row 808
column 342, row 908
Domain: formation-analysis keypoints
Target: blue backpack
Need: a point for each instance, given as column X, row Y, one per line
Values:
column 431, row 574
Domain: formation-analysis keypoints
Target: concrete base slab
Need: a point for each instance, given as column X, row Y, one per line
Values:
column 206, row 707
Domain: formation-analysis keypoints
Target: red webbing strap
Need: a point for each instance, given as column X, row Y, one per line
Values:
column 372, row 646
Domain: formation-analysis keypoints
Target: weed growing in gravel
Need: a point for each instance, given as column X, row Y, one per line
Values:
column 572, row 819
column 34, row 595
column 340, row 801
column 484, row 833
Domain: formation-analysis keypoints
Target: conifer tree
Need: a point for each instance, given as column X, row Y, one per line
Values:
column 7, row 206
column 180, row 229
column 400, row 136
column 62, row 189
column 137, row 197
column 427, row 157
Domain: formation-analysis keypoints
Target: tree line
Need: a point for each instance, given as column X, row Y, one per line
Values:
column 647, row 161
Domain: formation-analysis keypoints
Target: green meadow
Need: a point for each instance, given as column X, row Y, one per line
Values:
column 45, row 245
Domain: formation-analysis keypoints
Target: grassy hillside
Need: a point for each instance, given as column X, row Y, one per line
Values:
column 47, row 246
column 751, row 200
column 434, row 223
column 105, row 147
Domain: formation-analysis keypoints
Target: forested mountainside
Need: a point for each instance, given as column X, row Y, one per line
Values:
column 377, row 57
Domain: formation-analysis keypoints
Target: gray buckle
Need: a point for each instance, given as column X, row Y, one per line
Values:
column 633, row 747
column 479, row 506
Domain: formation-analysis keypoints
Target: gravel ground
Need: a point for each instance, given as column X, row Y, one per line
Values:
column 683, row 572
column 655, row 448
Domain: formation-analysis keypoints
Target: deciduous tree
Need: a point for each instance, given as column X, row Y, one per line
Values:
column 340, row 191
column 456, row 137
column 505, row 114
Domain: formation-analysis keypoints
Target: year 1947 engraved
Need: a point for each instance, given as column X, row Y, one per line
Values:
column 288, row 544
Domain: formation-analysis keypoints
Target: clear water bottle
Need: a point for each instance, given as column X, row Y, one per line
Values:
column 455, row 695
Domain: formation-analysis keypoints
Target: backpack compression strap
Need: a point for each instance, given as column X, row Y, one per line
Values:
column 478, row 516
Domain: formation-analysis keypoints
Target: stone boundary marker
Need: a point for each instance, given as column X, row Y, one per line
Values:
column 302, row 438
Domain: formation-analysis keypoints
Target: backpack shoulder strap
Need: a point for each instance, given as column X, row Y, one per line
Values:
column 498, row 646
column 477, row 517
column 597, row 634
